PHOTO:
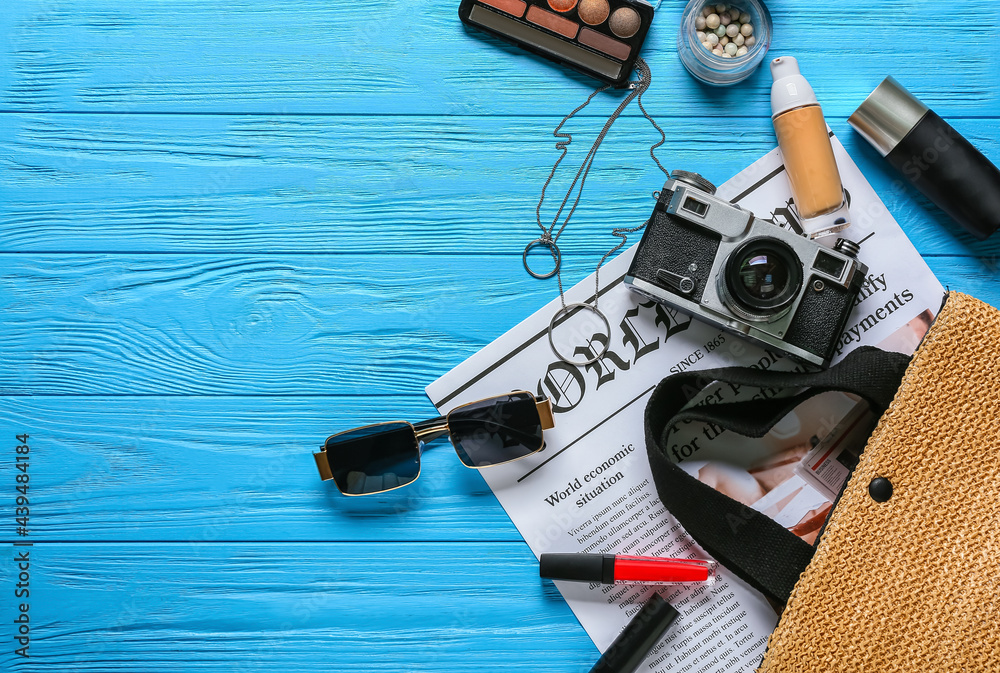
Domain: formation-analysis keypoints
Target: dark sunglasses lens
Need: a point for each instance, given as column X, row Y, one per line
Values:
column 374, row 459
column 496, row 430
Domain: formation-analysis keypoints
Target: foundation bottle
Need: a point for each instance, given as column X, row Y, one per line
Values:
column 806, row 151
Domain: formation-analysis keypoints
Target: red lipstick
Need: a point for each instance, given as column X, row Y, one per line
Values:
column 609, row 568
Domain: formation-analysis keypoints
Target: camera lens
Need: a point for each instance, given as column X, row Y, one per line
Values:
column 762, row 278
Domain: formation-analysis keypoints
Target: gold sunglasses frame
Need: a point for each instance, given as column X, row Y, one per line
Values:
column 428, row 434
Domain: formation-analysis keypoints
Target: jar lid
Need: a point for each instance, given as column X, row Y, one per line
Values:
column 887, row 115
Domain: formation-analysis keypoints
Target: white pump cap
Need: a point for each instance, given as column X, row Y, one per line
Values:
column 790, row 89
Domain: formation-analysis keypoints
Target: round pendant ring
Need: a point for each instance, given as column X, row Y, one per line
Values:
column 553, row 248
column 566, row 310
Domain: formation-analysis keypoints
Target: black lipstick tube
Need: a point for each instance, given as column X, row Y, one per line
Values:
column 932, row 156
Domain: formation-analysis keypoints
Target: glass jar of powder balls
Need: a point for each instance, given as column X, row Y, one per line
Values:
column 712, row 21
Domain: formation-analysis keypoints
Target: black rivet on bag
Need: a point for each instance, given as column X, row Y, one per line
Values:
column 880, row 489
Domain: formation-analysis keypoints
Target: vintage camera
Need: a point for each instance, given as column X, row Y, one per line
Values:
column 717, row 262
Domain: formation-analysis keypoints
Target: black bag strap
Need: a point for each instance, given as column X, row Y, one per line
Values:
column 751, row 545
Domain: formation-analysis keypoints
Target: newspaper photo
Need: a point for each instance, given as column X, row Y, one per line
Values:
column 794, row 473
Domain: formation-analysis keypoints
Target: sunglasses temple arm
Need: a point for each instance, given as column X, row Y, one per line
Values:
column 323, row 465
column 544, row 408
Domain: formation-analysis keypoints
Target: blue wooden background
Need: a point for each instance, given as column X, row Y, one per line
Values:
column 228, row 229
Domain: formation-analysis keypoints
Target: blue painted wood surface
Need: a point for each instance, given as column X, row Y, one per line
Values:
column 228, row 229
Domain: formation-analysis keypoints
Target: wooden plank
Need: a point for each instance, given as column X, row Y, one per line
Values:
column 406, row 56
column 275, row 324
column 346, row 185
column 291, row 607
column 210, row 469
column 262, row 325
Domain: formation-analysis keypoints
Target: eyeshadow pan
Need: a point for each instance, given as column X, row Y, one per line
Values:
column 545, row 42
column 593, row 12
column 515, row 7
column 601, row 42
column 625, row 22
column 562, row 5
column 553, row 22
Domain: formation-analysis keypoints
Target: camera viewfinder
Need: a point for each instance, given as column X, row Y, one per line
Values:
column 828, row 264
column 695, row 206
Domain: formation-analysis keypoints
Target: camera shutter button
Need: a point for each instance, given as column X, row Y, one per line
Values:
column 847, row 247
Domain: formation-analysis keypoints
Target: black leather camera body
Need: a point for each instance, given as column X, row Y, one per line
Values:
column 717, row 262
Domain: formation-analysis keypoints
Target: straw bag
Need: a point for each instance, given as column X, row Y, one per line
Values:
column 906, row 574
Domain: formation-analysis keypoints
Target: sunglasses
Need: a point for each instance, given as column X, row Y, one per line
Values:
column 382, row 457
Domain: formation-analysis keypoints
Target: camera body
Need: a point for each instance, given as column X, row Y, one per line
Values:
column 716, row 262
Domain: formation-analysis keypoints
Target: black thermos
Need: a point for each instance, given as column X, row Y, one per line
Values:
column 932, row 156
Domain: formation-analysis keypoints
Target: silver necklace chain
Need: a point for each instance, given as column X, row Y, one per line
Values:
column 548, row 239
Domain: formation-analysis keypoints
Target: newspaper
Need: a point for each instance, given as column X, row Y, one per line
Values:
column 590, row 489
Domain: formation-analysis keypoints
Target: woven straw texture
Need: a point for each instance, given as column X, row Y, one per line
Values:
column 913, row 584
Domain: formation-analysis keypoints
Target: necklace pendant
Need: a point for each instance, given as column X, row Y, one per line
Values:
column 596, row 354
column 545, row 241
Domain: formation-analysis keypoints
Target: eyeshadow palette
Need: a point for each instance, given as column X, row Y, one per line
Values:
column 600, row 38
